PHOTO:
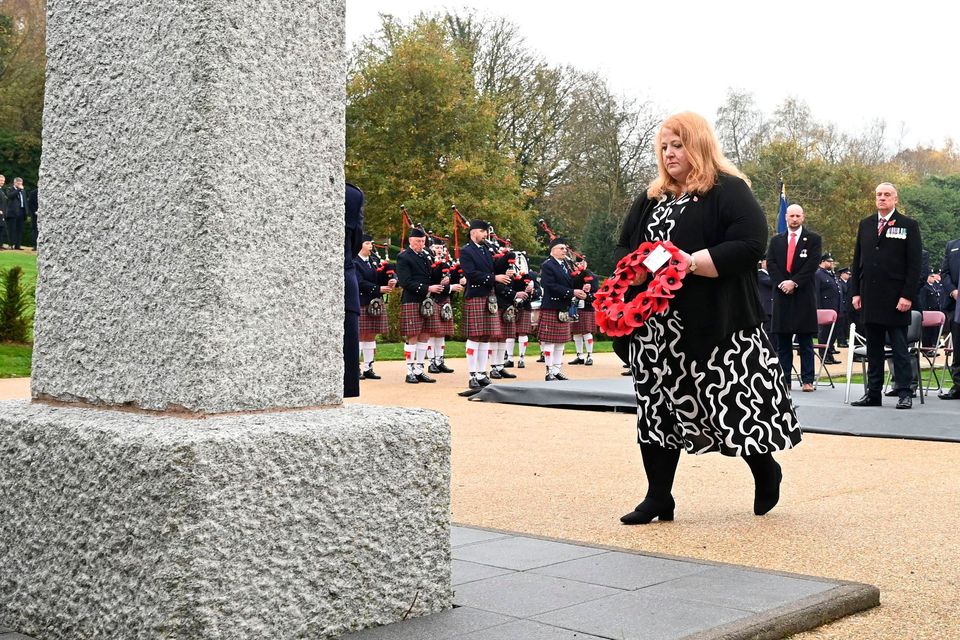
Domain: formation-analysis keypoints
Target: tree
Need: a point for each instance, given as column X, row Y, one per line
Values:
column 935, row 203
column 599, row 241
column 419, row 134
column 740, row 127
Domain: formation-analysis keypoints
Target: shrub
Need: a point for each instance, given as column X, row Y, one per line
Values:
column 15, row 316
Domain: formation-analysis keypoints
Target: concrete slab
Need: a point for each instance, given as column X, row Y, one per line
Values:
column 463, row 572
column 627, row 571
column 453, row 623
column 522, row 553
column 523, row 595
column 461, row 536
column 730, row 587
column 636, row 615
column 526, row 630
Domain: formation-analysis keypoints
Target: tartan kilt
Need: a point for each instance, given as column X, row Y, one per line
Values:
column 477, row 321
column 411, row 322
column 552, row 331
column 439, row 327
column 525, row 324
column 507, row 329
column 373, row 324
column 587, row 322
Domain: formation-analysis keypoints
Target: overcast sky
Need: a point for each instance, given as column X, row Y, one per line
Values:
column 851, row 62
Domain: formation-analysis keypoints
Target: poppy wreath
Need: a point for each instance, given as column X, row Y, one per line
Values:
column 617, row 317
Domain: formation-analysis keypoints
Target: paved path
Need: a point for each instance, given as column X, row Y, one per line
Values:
column 513, row 587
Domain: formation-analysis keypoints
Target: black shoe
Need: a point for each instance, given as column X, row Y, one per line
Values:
column 541, row 359
column 626, row 373
column 867, row 401
column 906, row 402
column 507, row 374
column 588, row 361
column 370, row 375
column 832, row 361
column 577, row 360
column 508, row 364
column 842, row 345
column 626, row 366
column 433, row 368
column 767, row 495
column 422, row 377
column 895, row 393
column 483, row 380
column 412, row 378
column 520, row 364
column 495, row 374
column 550, row 377
column 646, row 511
column 953, row 394
column 443, row 368
column 560, row 376
column 469, row 392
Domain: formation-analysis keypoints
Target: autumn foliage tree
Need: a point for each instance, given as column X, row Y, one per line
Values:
column 419, row 134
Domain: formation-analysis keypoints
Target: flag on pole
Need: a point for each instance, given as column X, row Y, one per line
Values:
column 782, row 215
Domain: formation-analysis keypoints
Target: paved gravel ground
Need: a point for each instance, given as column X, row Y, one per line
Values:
column 884, row 512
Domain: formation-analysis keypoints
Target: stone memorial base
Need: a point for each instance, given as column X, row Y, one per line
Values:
column 296, row 524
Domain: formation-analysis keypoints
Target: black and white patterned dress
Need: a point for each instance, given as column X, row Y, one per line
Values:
column 733, row 401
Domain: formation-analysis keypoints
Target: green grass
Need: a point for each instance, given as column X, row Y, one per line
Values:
column 25, row 260
column 394, row 350
column 15, row 360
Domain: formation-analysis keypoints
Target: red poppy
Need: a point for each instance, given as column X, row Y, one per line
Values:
column 670, row 279
column 660, row 305
column 636, row 319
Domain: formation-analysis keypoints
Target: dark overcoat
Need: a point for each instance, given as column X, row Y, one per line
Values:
column 795, row 312
column 828, row 290
column 886, row 267
column 728, row 221
column 950, row 274
column 766, row 291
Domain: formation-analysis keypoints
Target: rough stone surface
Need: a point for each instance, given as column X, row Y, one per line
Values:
column 192, row 196
column 299, row 524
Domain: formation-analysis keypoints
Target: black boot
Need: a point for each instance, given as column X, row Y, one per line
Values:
column 660, row 466
column 766, row 476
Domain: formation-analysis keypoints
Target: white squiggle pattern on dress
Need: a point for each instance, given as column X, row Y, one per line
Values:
column 734, row 401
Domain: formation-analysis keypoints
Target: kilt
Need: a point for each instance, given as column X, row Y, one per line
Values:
column 372, row 324
column 412, row 323
column 439, row 327
column 477, row 321
column 507, row 329
column 552, row 331
column 525, row 324
column 587, row 322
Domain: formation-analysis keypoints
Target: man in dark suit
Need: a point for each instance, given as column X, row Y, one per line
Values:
column 766, row 295
column 352, row 241
column 886, row 269
column 843, row 320
column 828, row 297
column 950, row 277
column 931, row 298
column 792, row 259
column 33, row 210
column 16, row 212
column 3, row 210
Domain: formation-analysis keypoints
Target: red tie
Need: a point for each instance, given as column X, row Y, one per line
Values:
column 791, row 249
column 880, row 226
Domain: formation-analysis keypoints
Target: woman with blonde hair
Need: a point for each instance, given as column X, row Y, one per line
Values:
column 705, row 374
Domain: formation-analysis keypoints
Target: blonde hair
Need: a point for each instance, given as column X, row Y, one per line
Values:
column 703, row 153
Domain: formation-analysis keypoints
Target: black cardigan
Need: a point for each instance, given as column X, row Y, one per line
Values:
column 728, row 221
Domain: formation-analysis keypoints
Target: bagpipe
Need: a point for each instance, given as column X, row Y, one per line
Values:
column 385, row 274
column 443, row 270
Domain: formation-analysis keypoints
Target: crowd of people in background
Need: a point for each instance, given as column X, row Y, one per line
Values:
column 17, row 206
column 797, row 279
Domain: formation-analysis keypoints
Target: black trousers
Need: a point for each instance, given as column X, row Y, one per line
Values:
column 877, row 335
column 14, row 230
column 351, row 354
column 955, row 365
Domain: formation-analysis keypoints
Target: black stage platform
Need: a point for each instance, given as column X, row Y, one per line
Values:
column 822, row 411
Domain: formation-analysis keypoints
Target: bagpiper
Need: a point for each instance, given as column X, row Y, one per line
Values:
column 418, row 308
column 442, row 269
column 481, row 314
column 376, row 277
column 558, row 293
column 528, row 311
column 586, row 324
